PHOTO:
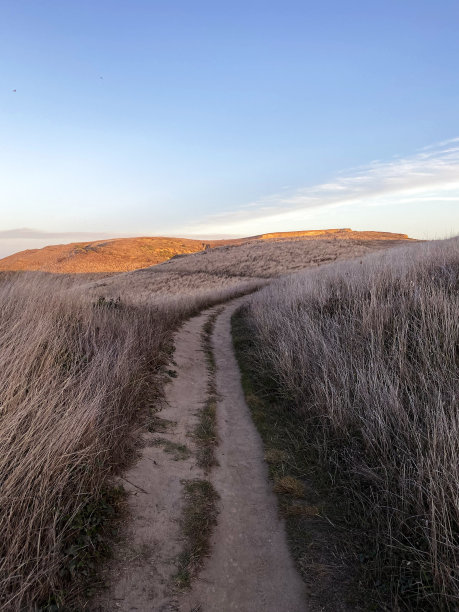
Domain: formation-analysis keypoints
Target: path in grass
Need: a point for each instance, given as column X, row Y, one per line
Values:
column 250, row 568
column 242, row 562
column 143, row 573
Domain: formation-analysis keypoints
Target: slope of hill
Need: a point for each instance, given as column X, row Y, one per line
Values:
column 83, row 360
column 218, row 268
column 116, row 255
column 125, row 254
column 353, row 371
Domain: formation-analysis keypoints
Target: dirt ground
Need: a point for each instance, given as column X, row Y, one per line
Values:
column 249, row 568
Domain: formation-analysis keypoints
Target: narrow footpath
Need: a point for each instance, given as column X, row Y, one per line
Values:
column 249, row 568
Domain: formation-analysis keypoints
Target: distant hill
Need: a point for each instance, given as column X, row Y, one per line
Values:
column 342, row 234
column 115, row 255
column 126, row 254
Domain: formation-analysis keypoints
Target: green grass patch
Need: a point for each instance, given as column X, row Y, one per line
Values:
column 198, row 521
column 179, row 452
column 205, row 433
column 156, row 424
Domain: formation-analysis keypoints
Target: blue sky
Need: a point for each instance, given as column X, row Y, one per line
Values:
column 219, row 118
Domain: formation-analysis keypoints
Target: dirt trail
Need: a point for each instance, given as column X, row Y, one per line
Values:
column 140, row 576
column 250, row 568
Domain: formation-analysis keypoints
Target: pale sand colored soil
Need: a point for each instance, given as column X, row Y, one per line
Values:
column 250, row 568
column 140, row 577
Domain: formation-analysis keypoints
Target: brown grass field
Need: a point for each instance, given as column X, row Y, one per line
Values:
column 77, row 377
column 365, row 354
column 81, row 367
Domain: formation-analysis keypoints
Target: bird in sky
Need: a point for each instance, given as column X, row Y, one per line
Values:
column 14, row 91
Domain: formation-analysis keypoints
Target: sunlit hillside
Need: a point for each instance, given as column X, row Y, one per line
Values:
column 125, row 254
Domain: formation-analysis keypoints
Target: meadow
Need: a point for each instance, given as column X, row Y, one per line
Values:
column 364, row 354
column 78, row 377
column 364, row 349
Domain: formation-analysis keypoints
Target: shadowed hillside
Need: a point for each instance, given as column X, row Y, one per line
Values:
column 125, row 254
column 357, row 362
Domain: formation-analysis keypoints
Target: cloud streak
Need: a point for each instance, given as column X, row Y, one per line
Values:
column 432, row 174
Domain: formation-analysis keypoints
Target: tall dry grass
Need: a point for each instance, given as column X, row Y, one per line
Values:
column 75, row 375
column 367, row 353
column 271, row 258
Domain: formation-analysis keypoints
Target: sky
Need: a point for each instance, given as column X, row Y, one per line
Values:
column 204, row 118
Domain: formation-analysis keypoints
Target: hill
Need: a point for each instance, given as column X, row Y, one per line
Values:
column 115, row 255
column 85, row 363
column 126, row 254
column 236, row 263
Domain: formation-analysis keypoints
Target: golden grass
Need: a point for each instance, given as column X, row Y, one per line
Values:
column 366, row 354
column 107, row 256
column 301, row 510
column 126, row 254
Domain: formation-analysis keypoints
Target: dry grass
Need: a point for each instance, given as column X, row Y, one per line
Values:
column 169, row 290
column 73, row 378
column 108, row 256
column 75, row 375
column 366, row 354
column 289, row 485
column 80, row 359
column 126, row 254
column 273, row 257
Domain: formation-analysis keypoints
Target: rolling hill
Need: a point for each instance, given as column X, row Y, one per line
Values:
column 126, row 254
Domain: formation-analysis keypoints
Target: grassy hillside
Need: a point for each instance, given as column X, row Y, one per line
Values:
column 80, row 368
column 101, row 256
column 362, row 357
column 77, row 376
column 229, row 265
column 276, row 254
column 125, row 254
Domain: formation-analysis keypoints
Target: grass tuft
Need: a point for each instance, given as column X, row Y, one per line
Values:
column 288, row 485
column 179, row 452
column 205, row 432
column 198, row 520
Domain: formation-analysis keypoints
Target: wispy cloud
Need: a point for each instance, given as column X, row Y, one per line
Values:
column 432, row 174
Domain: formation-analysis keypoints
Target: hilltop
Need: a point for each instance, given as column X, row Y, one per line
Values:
column 127, row 254
column 235, row 263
